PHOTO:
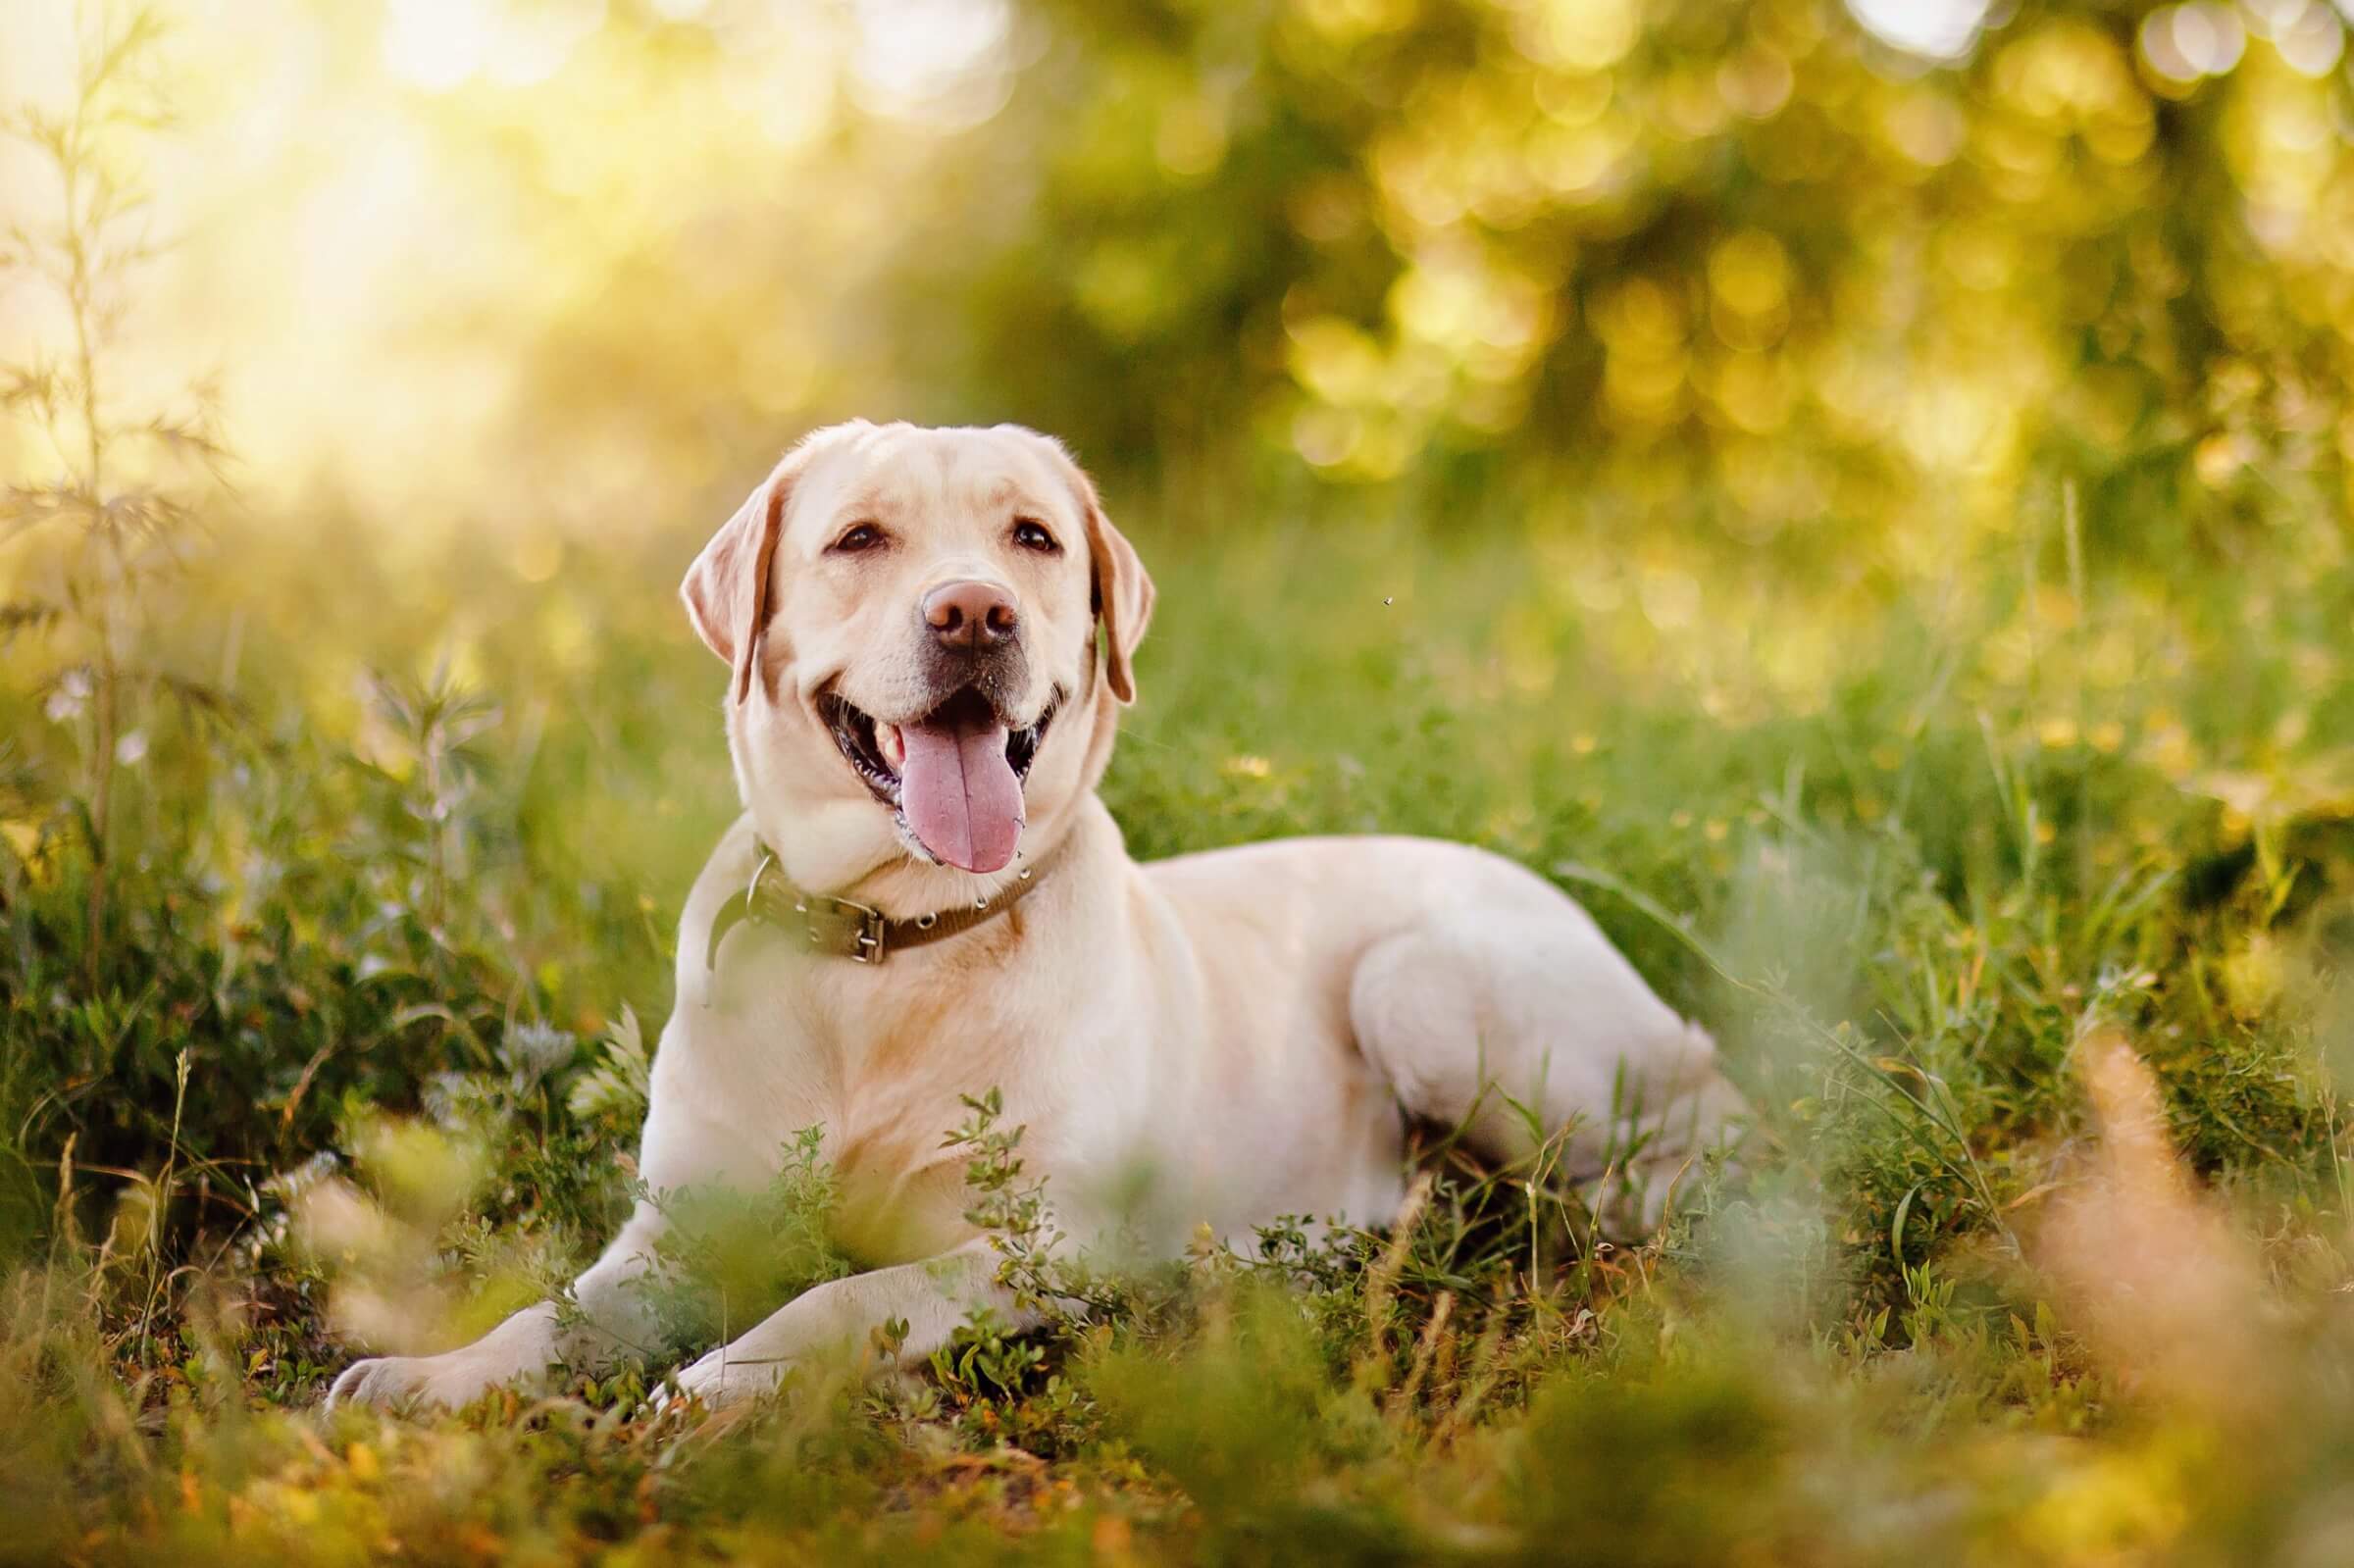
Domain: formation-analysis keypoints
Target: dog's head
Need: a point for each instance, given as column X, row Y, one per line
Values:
column 909, row 619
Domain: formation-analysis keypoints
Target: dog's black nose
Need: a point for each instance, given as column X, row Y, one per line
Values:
column 970, row 615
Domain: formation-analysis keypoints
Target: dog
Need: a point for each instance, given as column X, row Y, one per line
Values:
column 929, row 634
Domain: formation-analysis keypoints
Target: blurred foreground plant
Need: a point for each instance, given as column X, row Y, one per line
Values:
column 114, row 479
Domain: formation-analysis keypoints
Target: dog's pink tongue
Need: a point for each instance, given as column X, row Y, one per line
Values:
column 960, row 791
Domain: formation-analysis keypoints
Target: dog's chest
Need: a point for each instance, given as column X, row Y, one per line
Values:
column 883, row 1059
column 889, row 1069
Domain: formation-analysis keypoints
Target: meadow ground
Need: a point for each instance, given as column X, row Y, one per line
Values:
column 2017, row 899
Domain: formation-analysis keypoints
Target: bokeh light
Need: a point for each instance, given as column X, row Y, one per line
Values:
column 1939, row 29
column 556, row 266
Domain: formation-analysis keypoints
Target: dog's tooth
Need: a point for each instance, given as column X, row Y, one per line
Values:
column 891, row 744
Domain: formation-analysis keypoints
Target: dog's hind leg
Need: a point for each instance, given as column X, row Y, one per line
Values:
column 1526, row 1029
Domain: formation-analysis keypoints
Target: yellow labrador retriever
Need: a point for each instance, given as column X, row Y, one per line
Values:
column 929, row 636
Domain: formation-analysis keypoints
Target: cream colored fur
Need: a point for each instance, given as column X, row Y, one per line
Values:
column 1233, row 1036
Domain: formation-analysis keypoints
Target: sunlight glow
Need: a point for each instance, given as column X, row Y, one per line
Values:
column 1935, row 30
column 936, row 60
column 788, row 88
column 441, row 44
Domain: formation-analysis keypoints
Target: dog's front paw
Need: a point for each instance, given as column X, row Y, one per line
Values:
column 720, row 1380
column 436, row 1382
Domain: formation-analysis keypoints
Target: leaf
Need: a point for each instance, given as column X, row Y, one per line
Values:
column 27, row 615
column 618, row 1085
column 1896, row 1226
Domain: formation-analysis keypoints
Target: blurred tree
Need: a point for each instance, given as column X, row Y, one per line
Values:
column 1849, row 278
column 1735, row 249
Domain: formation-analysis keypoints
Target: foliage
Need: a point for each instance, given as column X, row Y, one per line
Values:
column 1747, row 249
column 1902, row 951
column 106, row 485
column 728, row 1260
column 1845, row 529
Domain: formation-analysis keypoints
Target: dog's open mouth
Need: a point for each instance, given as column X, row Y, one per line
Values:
column 955, row 776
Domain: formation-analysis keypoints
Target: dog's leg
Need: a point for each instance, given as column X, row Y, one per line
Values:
column 837, row 1319
column 1535, row 1034
column 610, row 1319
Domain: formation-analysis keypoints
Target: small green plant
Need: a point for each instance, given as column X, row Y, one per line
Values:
column 617, row 1085
column 104, row 493
column 728, row 1259
column 1012, row 1213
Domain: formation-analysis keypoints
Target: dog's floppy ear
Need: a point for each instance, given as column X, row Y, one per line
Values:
column 1123, row 597
column 1120, row 587
column 727, row 590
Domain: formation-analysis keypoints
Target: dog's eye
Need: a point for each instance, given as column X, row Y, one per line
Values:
column 863, row 537
column 1031, row 534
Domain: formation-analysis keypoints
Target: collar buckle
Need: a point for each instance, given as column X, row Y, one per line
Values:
column 870, row 933
column 843, row 926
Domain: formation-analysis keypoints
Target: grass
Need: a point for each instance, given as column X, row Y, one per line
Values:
column 356, row 1048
